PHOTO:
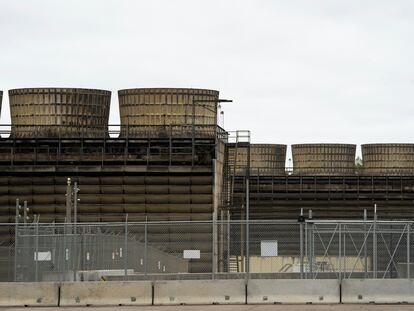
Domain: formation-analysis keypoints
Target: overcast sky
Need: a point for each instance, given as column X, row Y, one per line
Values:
column 298, row 71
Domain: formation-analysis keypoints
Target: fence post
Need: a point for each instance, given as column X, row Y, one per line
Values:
column 311, row 245
column 228, row 241
column 37, row 250
column 125, row 252
column 340, row 252
column 365, row 245
column 221, row 252
column 374, row 243
column 408, row 251
column 301, row 220
column 306, row 248
column 146, row 246
column 248, row 225
column 16, row 229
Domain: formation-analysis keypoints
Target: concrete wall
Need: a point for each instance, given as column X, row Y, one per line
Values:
column 105, row 293
column 200, row 292
column 29, row 294
column 293, row 291
column 193, row 292
column 378, row 291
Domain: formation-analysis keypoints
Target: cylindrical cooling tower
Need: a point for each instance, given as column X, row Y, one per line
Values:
column 168, row 111
column 388, row 159
column 265, row 159
column 323, row 159
column 59, row 112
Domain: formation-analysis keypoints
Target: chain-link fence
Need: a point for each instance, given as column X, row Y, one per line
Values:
column 365, row 249
column 206, row 249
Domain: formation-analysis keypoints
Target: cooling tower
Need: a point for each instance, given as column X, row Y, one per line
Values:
column 323, row 159
column 59, row 112
column 388, row 159
column 265, row 159
column 159, row 112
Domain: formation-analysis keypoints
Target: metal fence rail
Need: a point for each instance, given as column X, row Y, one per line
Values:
column 304, row 249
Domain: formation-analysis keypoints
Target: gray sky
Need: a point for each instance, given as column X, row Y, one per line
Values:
column 298, row 71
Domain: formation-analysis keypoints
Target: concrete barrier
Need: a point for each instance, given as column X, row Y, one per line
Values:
column 378, row 291
column 105, row 293
column 292, row 291
column 29, row 294
column 199, row 292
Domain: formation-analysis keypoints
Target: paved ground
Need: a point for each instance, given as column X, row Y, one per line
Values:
column 235, row 308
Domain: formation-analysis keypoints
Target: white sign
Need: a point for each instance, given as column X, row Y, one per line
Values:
column 43, row 256
column 269, row 248
column 191, row 254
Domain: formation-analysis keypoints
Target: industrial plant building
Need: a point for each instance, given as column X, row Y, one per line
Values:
column 170, row 161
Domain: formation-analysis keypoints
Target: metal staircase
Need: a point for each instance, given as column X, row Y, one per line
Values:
column 238, row 142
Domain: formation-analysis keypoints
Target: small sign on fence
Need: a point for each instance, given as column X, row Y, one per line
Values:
column 191, row 254
column 269, row 248
column 43, row 256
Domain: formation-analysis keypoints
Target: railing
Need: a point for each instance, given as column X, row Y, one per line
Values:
column 111, row 131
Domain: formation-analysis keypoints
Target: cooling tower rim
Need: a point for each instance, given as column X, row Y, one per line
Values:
column 388, row 145
column 163, row 90
column 268, row 145
column 323, row 145
column 74, row 90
